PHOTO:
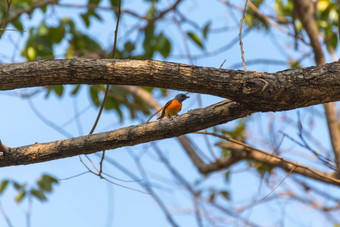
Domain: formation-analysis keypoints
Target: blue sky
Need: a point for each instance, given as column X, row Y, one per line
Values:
column 88, row 201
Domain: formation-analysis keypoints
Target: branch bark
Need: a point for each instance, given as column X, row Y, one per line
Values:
column 192, row 121
column 278, row 91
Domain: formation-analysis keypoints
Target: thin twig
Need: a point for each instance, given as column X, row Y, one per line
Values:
column 149, row 188
column 29, row 211
column 32, row 8
column 223, row 63
column 297, row 165
column 154, row 114
column 240, row 36
column 101, row 164
column 71, row 177
column 133, row 189
column 264, row 198
column 4, row 24
column 4, row 214
column 113, row 56
column 47, row 121
column 107, row 89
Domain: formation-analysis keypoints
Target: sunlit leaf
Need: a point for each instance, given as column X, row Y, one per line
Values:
column 152, row 12
column 39, row 194
column 195, row 39
column 45, row 182
column 58, row 89
column 3, row 185
column 205, row 29
column 20, row 196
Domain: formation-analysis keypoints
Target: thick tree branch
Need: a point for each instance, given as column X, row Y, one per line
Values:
column 192, row 121
column 282, row 90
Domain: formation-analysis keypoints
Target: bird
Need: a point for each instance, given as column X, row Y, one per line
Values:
column 172, row 107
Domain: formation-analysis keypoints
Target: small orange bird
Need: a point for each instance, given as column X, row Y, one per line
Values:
column 173, row 106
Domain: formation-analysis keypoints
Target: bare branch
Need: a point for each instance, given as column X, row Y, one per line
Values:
column 277, row 161
column 306, row 12
column 5, row 21
column 32, row 8
column 240, row 36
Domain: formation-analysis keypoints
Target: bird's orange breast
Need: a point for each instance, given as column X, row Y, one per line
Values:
column 173, row 108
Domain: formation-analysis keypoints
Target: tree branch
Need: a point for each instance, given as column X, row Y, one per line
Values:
column 32, row 8
column 306, row 11
column 278, row 91
column 250, row 153
column 221, row 112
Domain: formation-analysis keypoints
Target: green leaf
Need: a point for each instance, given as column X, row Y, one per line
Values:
column 86, row 18
column 149, row 43
column 129, row 47
column 94, row 95
column 75, row 89
column 225, row 194
column 45, row 183
column 212, row 197
column 333, row 41
column 264, row 170
column 163, row 45
column 20, row 196
column 227, row 176
column 56, row 34
column 18, row 186
column 110, row 103
column 94, row 2
column 195, row 39
column 43, row 29
column 18, row 25
column 238, row 132
column 205, row 29
column 67, row 22
column 39, row 194
column 114, row 3
column 152, row 12
column 3, row 185
column 257, row 3
column 58, row 89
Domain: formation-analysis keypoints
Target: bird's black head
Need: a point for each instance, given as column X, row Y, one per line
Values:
column 181, row 97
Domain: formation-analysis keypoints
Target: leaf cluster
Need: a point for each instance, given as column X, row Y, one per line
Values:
column 43, row 185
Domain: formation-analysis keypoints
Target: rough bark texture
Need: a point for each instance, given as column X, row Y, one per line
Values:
column 192, row 121
column 283, row 90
